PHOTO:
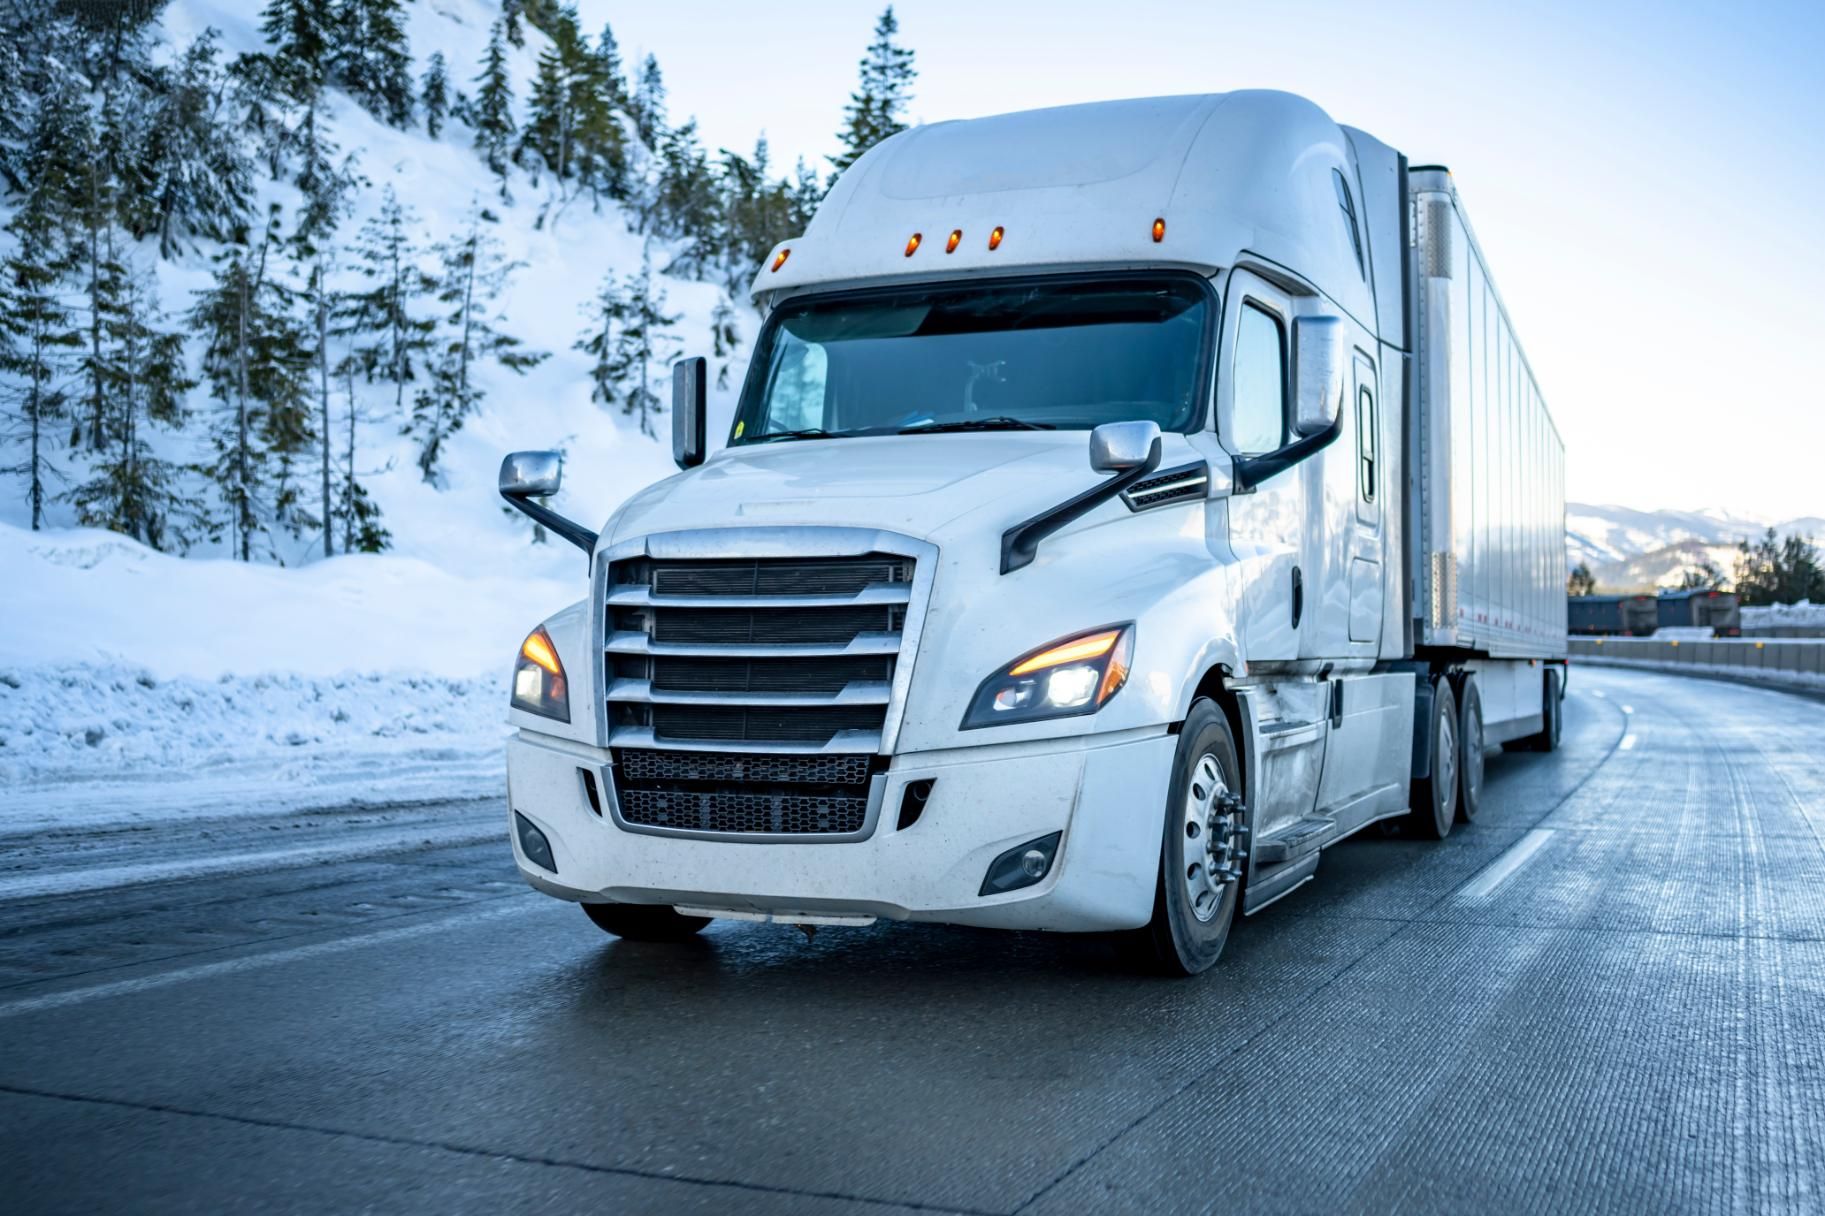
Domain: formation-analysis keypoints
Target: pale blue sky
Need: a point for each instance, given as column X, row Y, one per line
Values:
column 1647, row 180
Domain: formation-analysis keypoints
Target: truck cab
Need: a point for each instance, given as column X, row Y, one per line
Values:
column 1059, row 570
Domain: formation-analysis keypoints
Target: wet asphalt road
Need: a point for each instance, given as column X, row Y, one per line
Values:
column 1631, row 1019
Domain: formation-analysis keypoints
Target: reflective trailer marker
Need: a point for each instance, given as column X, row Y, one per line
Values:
column 912, row 244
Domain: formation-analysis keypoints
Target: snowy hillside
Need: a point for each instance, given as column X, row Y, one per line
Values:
column 1631, row 549
column 119, row 659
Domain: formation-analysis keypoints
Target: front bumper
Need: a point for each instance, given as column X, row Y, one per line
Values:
column 1105, row 793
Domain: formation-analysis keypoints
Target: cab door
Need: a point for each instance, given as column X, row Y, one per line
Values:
column 1267, row 532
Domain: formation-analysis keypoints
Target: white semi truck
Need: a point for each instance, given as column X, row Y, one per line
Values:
column 1125, row 502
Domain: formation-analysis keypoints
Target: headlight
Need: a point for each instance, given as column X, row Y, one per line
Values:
column 1075, row 675
column 539, row 686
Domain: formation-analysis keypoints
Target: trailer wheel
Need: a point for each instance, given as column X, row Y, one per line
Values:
column 1202, row 859
column 644, row 922
column 1470, row 750
column 1432, row 800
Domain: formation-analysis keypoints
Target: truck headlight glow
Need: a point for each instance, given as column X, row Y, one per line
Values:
column 1074, row 675
column 539, row 686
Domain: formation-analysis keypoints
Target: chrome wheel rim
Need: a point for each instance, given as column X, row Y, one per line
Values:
column 1210, row 839
column 1473, row 754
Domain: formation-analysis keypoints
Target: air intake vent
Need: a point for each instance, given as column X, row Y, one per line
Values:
column 1183, row 484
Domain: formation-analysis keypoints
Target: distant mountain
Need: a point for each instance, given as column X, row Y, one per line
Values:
column 1630, row 550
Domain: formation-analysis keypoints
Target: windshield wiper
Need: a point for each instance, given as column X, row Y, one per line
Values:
column 810, row 432
column 999, row 422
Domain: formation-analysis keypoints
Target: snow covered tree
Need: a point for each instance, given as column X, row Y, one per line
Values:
column 611, row 76
column 38, row 332
column 686, row 207
column 1779, row 570
column 647, row 107
column 877, row 109
column 14, row 108
column 434, row 94
column 132, row 490
column 629, row 333
column 354, row 509
column 491, row 114
column 256, row 361
column 372, row 59
column 302, row 35
column 192, row 177
column 390, row 336
column 1581, row 582
column 725, row 338
column 511, row 11
column 474, row 274
column 551, row 117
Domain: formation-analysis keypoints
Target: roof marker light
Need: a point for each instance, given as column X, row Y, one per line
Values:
column 780, row 259
column 1159, row 230
column 950, row 246
column 912, row 243
column 995, row 237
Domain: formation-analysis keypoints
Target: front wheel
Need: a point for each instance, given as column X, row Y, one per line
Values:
column 1202, row 860
column 644, row 922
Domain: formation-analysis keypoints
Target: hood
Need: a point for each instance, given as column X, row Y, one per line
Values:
column 911, row 484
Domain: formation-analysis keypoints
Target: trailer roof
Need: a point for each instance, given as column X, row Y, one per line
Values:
column 1230, row 174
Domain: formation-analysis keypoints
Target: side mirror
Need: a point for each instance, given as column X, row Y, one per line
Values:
column 1116, row 447
column 690, row 390
column 1320, row 356
column 531, row 474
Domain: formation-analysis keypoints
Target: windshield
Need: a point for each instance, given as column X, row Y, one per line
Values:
column 1063, row 354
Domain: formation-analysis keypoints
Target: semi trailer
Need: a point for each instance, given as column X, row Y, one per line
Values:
column 1613, row 615
column 1124, row 503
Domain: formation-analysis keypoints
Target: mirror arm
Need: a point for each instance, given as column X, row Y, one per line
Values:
column 1251, row 471
column 569, row 529
column 1020, row 543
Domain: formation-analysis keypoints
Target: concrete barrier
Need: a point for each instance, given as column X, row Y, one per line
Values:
column 1797, row 664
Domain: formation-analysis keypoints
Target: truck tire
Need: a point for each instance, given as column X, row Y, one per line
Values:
column 1432, row 800
column 644, row 922
column 1552, row 717
column 1200, row 877
column 1470, row 749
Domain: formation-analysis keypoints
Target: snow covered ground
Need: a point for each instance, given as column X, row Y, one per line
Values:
column 134, row 685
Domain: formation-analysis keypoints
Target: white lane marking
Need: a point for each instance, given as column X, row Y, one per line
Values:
column 102, row 878
column 1628, row 742
column 1600, row 694
column 1628, row 709
column 510, row 906
column 1503, row 867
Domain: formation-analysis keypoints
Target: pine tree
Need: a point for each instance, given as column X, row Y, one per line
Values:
column 551, row 114
column 313, row 243
column 725, row 338
column 686, row 207
column 372, row 59
column 509, row 22
column 1779, row 570
column 474, row 274
column 493, row 110
column 389, row 334
column 132, row 490
column 611, row 76
column 37, row 334
column 256, row 361
column 302, row 34
column 14, row 107
column 192, row 179
column 647, row 107
column 1580, row 581
column 807, row 193
column 434, row 94
column 877, row 109
column 629, row 334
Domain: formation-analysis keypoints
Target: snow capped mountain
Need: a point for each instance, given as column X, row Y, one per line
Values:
column 1630, row 549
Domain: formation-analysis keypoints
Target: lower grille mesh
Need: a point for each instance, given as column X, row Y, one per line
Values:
column 729, row 811
column 645, row 766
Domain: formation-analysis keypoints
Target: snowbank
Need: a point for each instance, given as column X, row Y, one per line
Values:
column 134, row 684
column 1803, row 615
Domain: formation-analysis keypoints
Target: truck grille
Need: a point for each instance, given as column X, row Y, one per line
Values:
column 743, row 793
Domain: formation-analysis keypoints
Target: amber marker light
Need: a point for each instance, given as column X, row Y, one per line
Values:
column 779, row 259
column 950, row 246
column 912, row 243
column 1159, row 230
column 1076, row 650
column 537, row 647
column 995, row 238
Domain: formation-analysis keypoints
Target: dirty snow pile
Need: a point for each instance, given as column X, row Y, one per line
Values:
column 1803, row 615
column 136, row 683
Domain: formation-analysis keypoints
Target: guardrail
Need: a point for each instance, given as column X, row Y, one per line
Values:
column 1790, row 663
